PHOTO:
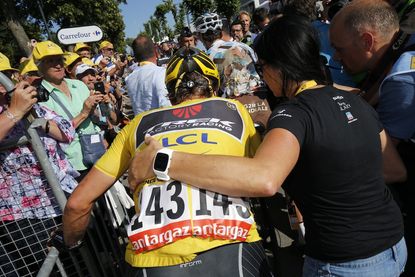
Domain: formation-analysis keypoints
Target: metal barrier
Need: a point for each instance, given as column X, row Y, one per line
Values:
column 24, row 231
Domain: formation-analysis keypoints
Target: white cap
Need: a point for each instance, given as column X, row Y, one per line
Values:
column 82, row 68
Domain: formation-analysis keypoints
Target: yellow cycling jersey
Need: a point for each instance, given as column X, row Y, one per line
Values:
column 175, row 221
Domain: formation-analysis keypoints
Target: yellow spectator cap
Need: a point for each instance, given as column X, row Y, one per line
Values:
column 46, row 48
column 80, row 45
column 70, row 58
column 87, row 61
column 5, row 63
column 105, row 44
column 27, row 66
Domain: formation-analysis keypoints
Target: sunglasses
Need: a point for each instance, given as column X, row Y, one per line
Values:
column 109, row 49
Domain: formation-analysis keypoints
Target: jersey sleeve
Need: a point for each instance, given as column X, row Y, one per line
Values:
column 290, row 117
column 396, row 109
column 117, row 158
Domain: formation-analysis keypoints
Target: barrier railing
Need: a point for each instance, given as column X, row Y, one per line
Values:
column 27, row 222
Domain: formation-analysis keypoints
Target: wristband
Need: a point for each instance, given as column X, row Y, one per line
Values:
column 11, row 116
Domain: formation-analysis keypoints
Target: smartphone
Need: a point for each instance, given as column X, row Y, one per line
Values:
column 99, row 87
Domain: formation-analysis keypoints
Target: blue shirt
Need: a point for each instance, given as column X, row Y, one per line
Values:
column 146, row 88
column 396, row 105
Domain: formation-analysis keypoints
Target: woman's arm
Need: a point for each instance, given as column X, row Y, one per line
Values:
column 262, row 175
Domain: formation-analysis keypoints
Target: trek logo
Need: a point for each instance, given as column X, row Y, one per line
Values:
column 187, row 139
column 191, row 123
column 187, row 112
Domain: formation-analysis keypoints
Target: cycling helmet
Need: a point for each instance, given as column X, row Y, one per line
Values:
column 208, row 21
column 187, row 60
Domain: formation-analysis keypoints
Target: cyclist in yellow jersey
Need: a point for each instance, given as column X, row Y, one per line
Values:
column 179, row 229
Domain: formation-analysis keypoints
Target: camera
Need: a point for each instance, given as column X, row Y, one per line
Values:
column 99, row 87
column 42, row 94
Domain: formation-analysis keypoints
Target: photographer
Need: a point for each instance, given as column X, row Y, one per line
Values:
column 25, row 199
column 106, row 114
column 69, row 98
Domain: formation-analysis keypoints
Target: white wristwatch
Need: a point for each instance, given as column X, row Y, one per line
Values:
column 161, row 164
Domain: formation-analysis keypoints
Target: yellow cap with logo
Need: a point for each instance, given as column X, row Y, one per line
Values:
column 105, row 44
column 5, row 63
column 27, row 66
column 46, row 48
column 80, row 45
column 70, row 58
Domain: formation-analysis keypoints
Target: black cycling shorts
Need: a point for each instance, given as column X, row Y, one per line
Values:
column 232, row 260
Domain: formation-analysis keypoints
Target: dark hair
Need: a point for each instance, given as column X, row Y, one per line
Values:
column 260, row 15
column 185, row 33
column 143, row 48
column 192, row 84
column 226, row 28
column 306, row 8
column 291, row 45
column 210, row 36
column 237, row 22
column 335, row 6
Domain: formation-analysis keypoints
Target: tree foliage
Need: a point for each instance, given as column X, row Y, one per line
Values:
column 180, row 18
column 198, row 7
column 227, row 8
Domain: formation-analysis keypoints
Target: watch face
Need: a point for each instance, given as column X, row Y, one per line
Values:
column 161, row 161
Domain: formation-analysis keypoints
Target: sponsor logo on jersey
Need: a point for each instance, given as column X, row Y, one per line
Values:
column 217, row 114
column 187, row 112
column 350, row 117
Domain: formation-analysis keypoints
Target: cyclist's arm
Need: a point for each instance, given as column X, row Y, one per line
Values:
column 235, row 176
column 79, row 205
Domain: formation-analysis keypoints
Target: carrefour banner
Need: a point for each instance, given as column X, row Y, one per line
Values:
column 79, row 34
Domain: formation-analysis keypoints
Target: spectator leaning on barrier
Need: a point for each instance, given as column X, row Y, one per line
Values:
column 83, row 50
column 25, row 197
column 363, row 33
column 73, row 94
column 145, row 85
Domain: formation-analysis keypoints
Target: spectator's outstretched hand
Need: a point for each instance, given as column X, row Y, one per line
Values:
column 141, row 167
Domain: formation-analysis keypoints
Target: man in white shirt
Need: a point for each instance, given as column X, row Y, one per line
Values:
column 145, row 85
